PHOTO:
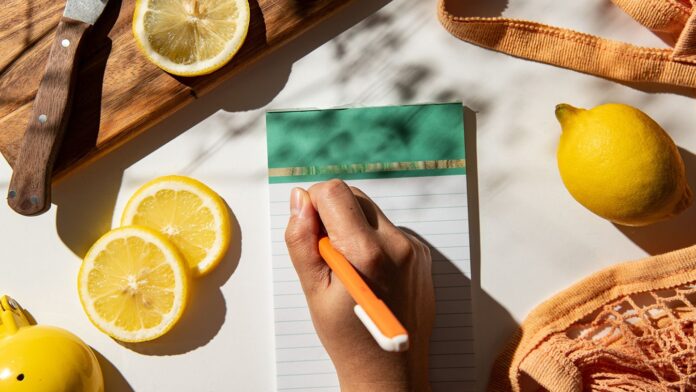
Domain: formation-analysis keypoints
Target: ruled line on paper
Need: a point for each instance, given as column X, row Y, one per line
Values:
column 302, row 361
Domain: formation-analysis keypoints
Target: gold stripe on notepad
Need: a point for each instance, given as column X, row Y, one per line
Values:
column 366, row 168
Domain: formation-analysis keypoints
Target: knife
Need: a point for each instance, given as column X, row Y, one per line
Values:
column 30, row 187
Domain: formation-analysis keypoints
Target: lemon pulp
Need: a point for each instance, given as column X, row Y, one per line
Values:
column 190, row 37
column 133, row 284
column 190, row 214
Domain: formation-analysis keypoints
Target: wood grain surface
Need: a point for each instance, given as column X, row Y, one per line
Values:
column 119, row 93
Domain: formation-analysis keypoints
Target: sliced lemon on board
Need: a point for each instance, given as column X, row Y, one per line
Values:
column 190, row 37
column 133, row 284
column 190, row 214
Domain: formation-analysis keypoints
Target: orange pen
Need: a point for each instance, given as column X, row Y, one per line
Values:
column 373, row 312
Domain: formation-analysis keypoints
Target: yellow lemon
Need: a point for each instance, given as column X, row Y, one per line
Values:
column 191, row 215
column 620, row 164
column 190, row 37
column 133, row 284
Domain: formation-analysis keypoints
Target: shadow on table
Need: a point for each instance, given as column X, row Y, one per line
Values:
column 656, row 88
column 205, row 311
column 491, row 8
column 85, row 115
column 113, row 379
column 675, row 233
column 461, row 356
column 493, row 324
column 86, row 198
column 457, row 349
column 495, row 8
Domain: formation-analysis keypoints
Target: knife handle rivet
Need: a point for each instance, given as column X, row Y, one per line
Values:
column 65, row 43
column 12, row 194
column 34, row 200
column 43, row 118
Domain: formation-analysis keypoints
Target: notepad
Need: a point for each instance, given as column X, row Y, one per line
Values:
column 411, row 161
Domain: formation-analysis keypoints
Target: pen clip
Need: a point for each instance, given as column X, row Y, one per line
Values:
column 398, row 343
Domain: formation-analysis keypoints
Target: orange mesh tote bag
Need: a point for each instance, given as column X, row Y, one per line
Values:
column 628, row 328
column 673, row 20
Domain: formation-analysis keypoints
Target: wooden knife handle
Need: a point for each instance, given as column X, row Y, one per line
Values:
column 30, row 187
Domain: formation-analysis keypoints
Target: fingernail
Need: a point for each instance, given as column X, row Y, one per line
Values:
column 296, row 201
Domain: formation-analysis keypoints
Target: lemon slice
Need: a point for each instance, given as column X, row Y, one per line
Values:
column 133, row 284
column 191, row 215
column 190, row 37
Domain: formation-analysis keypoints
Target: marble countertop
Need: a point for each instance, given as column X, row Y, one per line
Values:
column 529, row 240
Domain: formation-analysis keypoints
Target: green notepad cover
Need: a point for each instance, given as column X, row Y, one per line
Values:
column 362, row 143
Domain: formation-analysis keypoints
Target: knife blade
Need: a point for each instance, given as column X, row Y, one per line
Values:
column 30, row 187
column 87, row 11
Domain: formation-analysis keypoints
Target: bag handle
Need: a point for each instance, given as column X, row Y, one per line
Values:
column 686, row 45
column 588, row 53
column 666, row 17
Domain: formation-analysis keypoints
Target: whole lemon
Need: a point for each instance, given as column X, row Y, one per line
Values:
column 620, row 164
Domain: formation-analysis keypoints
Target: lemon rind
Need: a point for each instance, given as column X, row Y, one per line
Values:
column 203, row 67
column 181, row 290
column 210, row 200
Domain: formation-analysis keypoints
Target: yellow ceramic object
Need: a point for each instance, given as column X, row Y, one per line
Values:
column 37, row 358
column 621, row 165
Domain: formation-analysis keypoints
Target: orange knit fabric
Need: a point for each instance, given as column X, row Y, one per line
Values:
column 675, row 20
column 631, row 327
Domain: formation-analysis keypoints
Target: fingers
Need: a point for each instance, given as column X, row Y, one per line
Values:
column 346, row 224
column 372, row 212
column 339, row 210
column 301, row 238
column 357, row 227
column 398, row 245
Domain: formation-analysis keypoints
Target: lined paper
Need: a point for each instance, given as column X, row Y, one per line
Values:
column 433, row 207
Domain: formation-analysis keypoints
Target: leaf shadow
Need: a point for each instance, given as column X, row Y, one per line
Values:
column 87, row 197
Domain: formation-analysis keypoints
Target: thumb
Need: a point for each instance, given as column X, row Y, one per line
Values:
column 302, row 239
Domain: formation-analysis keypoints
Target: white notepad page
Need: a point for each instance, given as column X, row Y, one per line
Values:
column 435, row 208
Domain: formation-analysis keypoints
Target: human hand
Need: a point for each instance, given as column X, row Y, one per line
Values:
column 397, row 267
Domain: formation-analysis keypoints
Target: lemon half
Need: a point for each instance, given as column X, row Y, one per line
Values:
column 133, row 284
column 190, row 37
column 190, row 214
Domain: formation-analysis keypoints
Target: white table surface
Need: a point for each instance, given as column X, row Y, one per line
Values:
column 534, row 239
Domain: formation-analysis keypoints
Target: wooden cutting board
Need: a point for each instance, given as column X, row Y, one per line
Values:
column 120, row 93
